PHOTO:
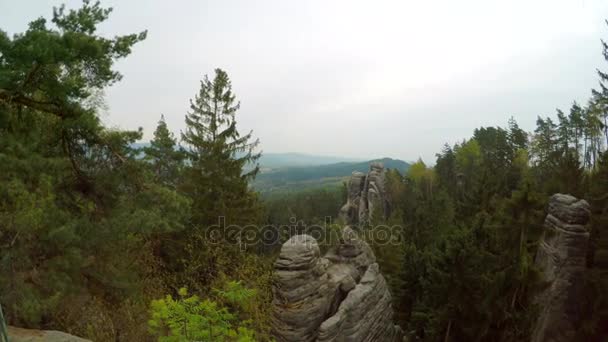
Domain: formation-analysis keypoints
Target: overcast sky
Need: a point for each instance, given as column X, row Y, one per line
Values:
column 352, row 78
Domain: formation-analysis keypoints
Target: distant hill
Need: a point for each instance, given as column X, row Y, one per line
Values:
column 297, row 178
column 279, row 160
column 284, row 172
column 290, row 159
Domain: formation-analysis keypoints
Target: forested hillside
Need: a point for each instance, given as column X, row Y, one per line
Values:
column 111, row 240
column 287, row 179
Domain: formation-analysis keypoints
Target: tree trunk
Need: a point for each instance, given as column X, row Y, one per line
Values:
column 447, row 332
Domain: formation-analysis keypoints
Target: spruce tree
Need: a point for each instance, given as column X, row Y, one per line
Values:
column 165, row 159
column 216, row 179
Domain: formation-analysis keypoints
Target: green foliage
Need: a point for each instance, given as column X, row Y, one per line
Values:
column 595, row 317
column 92, row 228
column 80, row 212
column 54, row 69
column 417, row 171
column 192, row 319
column 462, row 269
column 69, row 187
column 494, row 188
column 235, row 293
column 203, row 265
column 311, row 206
column 215, row 179
column 166, row 161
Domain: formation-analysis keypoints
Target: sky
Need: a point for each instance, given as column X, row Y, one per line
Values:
column 358, row 79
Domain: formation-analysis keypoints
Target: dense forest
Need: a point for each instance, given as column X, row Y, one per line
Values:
column 111, row 242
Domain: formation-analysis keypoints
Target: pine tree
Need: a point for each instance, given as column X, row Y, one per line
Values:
column 592, row 134
column 76, row 207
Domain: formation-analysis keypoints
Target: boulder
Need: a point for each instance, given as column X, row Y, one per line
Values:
column 351, row 250
column 302, row 290
column 32, row 335
column 339, row 297
column 365, row 314
column 561, row 258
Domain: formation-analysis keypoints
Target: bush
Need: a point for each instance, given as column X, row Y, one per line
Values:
column 195, row 319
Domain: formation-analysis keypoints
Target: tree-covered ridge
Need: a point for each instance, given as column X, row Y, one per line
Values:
column 287, row 179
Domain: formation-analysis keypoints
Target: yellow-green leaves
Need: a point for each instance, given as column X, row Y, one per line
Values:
column 195, row 319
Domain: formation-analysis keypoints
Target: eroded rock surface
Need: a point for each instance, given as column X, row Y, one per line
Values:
column 561, row 258
column 32, row 335
column 341, row 296
column 303, row 293
column 366, row 196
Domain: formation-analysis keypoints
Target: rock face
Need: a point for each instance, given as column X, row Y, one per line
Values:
column 366, row 196
column 303, row 292
column 339, row 297
column 561, row 258
column 32, row 335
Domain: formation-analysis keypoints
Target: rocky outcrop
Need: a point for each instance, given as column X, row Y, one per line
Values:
column 32, row 335
column 561, row 258
column 303, row 292
column 366, row 196
column 339, row 297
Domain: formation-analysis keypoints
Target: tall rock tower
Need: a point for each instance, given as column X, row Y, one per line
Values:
column 561, row 258
column 366, row 196
column 341, row 296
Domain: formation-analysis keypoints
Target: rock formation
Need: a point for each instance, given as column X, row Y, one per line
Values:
column 561, row 258
column 366, row 196
column 33, row 335
column 339, row 297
